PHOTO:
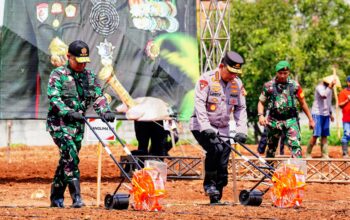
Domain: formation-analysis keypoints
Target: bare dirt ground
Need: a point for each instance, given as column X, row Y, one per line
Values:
column 27, row 172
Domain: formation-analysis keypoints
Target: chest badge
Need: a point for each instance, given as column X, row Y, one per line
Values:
column 216, row 87
column 212, row 107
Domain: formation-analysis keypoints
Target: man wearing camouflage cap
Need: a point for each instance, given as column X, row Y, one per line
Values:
column 280, row 96
column 71, row 90
column 218, row 93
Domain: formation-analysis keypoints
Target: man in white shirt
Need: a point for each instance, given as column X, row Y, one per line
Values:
column 322, row 114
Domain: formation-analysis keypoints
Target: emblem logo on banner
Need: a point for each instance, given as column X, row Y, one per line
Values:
column 101, row 129
column 71, row 11
column 42, row 12
column 57, row 8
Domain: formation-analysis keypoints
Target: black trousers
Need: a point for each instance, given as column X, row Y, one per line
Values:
column 154, row 131
column 216, row 160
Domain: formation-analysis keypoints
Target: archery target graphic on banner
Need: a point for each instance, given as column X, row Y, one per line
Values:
column 104, row 18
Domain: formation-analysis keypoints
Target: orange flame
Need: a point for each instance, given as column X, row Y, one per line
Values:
column 288, row 186
column 147, row 189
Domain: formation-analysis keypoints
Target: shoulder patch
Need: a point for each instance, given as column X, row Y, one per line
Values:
column 300, row 93
column 203, row 83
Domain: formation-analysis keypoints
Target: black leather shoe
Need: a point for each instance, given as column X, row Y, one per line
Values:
column 77, row 202
column 57, row 203
column 214, row 200
column 212, row 191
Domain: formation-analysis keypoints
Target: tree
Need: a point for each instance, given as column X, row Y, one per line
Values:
column 313, row 35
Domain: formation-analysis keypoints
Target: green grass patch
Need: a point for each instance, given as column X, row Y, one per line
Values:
column 333, row 139
column 17, row 145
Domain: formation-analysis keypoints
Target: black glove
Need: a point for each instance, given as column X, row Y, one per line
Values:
column 109, row 116
column 240, row 137
column 209, row 133
column 73, row 116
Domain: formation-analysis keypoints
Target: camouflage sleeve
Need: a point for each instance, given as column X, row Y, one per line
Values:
column 54, row 92
column 263, row 94
column 201, row 95
column 100, row 103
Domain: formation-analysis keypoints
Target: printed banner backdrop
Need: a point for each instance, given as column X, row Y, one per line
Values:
column 149, row 45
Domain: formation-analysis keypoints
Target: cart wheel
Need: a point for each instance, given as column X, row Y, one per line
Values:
column 109, row 201
column 253, row 198
column 117, row 201
column 121, row 201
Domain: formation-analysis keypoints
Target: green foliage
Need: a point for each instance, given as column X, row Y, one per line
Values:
column 134, row 142
column 184, row 142
column 250, row 139
column 117, row 126
column 333, row 139
column 312, row 35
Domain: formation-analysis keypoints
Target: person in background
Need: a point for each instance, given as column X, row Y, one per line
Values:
column 280, row 95
column 322, row 114
column 344, row 103
column 71, row 90
column 263, row 143
column 218, row 94
column 153, row 131
column 172, row 134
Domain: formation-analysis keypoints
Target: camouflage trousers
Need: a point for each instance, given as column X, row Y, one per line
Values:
column 69, row 146
column 290, row 128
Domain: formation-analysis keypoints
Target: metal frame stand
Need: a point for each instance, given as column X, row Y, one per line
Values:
column 214, row 21
column 115, row 200
column 252, row 197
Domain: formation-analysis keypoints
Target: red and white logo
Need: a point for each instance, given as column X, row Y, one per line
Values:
column 203, row 84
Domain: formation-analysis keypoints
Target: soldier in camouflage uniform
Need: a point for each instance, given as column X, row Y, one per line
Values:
column 71, row 89
column 280, row 95
column 218, row 94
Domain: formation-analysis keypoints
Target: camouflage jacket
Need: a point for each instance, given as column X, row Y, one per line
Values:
column 281, row 98
column 71, row 91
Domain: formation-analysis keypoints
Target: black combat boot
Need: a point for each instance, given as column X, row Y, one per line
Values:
column 210, row 186
column 216, row 197
column 57, row 195
column 220, row 192
column 215, row 200
column 74, row 189
column 213, row 194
